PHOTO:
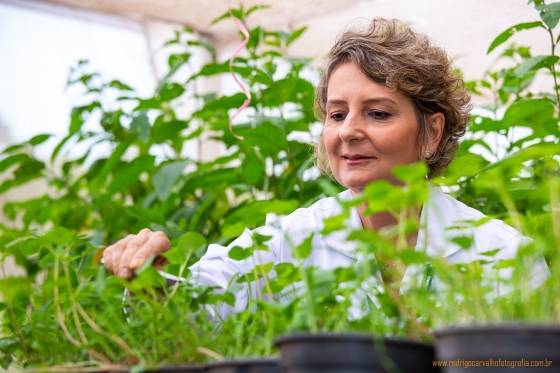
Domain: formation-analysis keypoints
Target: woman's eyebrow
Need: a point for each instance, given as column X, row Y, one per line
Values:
column 379, row 99
column 336, row 102
column 366, row 101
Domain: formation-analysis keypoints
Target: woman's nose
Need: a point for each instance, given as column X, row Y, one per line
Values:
column 352, row 128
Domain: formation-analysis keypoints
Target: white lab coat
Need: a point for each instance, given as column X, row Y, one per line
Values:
column 331, row 251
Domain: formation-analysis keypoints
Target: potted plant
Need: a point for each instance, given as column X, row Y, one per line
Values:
column 361, row 318
column 503, row 309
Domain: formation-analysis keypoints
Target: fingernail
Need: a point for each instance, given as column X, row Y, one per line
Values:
column 125, row 273
column 135, row 263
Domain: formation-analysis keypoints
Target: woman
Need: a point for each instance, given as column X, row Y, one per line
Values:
column 388, row 97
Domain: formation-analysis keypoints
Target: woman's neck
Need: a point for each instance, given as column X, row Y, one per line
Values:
column 385, row 219
column 377, row 221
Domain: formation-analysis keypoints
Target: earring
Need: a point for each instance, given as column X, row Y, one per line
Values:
column 427, row 155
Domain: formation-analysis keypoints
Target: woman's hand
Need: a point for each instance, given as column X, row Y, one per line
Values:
column 131, row 252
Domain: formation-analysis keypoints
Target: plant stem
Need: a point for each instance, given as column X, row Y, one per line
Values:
column 98, row 329
column 72, row 340
column 555, row 210
column 311, row 305
column 72, row 303
column 553, row 69
column 12, row 313
column 265, row 277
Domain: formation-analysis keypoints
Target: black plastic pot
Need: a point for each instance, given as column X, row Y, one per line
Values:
column 244, row 366
column 181, row 369
column 497, row 347
column 167, row 369
column 352, row 353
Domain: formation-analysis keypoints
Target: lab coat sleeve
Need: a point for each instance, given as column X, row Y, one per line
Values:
column 217, row 269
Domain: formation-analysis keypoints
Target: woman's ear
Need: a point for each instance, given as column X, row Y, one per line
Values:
column 436, row 124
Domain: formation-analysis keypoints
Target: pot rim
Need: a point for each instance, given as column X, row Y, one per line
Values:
column 255, row 361
column 347, row 337
column 511, row 328
column 170, row 368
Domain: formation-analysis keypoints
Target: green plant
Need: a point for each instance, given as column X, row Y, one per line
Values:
column 67, row 299
column 518, row 180
column 147, row 182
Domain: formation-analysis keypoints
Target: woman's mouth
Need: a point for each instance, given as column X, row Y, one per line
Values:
column 355, row 158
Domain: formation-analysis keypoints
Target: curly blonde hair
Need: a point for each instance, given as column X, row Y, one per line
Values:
column 391, row 53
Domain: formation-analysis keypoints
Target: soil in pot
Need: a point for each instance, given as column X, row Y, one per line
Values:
column 499, row 348
column 352, row 353
column 244, row 366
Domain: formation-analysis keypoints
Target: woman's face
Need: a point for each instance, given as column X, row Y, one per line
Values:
column 368, row 130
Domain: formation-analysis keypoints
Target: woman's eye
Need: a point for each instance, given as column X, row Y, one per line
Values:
column 379, row 115
column 337, row 117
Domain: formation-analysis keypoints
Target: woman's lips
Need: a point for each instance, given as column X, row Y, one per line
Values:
column 353, row 159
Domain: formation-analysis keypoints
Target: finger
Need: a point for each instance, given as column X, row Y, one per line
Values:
column 156, row 245
column 131, row 248
column 117, row 252
column 109, row 256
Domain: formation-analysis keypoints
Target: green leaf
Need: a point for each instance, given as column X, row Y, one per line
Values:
column 550, row 14
column 101, row 279
column 254, row 8
column 505, row 263
column 253, row 169
column 191, row 242
column 284, row 269
column 335, row 223
column 149, row 215
column 60, row 145
column 296, row 34
column 411, row 173
column 528, row 113
column 253, row 214
column 175, row 256
column 269, row 138
column 115, row 158
column 39, row 139
column 188, row 244
column 5, row 361
column 225, row 102
column 535, row 63
column 178, row 59
column 119, row 85
column 140, row 125
column 410, row 257
column 510, row 31
column 209, row 47
column 165, row 178
column 225, row 15
column 254, row 74
column 490, row 253
column 303, row 250
column 12, row 148
column 464, row 242
column 14, row 159
column 240, row 253
column 147, row 277
column 59, row 236
column 164, row 131
column 170, row 91
column 32, row 167
column 128, row 173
